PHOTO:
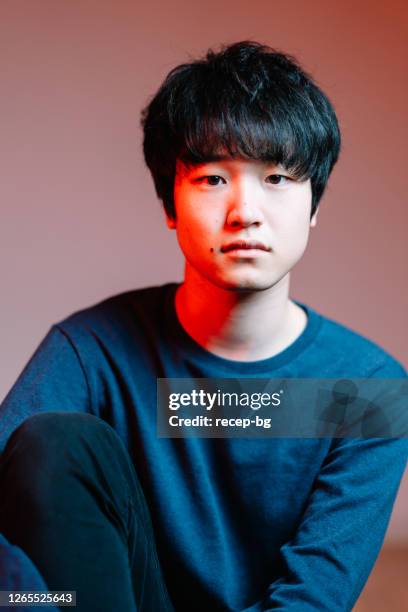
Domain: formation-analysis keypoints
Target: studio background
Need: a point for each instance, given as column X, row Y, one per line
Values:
column 79, row 217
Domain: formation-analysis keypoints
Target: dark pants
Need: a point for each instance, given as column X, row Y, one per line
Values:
column 71, row 500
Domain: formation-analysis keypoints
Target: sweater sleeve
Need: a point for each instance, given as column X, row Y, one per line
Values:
column 335, row 547
column 53, row 380
column 328, row 561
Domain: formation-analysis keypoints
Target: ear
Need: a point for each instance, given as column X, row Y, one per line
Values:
column 171, row 222
column 313, row 220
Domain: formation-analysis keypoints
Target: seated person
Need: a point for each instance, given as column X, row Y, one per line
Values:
column 240, row 145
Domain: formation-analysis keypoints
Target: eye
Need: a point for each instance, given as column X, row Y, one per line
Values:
column 211, row 179
column 277, row 179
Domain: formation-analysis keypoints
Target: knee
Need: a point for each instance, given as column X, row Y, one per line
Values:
column 43, row 438
column 59, row 427
column 47, row 448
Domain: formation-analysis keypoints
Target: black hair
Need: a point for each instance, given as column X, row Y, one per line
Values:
column 246, row 101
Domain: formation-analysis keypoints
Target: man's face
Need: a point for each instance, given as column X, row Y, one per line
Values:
column 242, row 225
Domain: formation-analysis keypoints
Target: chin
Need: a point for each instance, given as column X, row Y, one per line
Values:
column 247, row 285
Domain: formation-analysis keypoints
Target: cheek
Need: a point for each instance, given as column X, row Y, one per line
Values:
column 294, row 236
column 196, row 236
column 203, row 227
column 299, row 208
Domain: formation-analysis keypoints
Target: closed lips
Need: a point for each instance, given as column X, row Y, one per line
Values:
column 243, row 244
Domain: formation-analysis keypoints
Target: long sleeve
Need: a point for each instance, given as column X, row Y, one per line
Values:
column 335, row 547
column 52, row 380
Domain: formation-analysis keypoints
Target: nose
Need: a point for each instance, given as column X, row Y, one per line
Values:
column 244, row 210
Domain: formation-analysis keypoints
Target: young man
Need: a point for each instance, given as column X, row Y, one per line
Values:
column 240, row 145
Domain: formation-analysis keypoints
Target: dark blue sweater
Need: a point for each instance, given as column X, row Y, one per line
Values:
column 241, row 524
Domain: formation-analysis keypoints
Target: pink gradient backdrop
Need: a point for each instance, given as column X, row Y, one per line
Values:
column 80, row 220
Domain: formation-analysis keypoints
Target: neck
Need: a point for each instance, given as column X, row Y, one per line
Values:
column 243, row 326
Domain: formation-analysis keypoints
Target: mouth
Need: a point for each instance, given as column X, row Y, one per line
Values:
column 244, row 245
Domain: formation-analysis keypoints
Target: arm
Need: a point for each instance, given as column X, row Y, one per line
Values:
column 52, row 380
column 329, row 560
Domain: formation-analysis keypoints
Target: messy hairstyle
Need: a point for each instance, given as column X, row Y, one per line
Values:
column 246, row 101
